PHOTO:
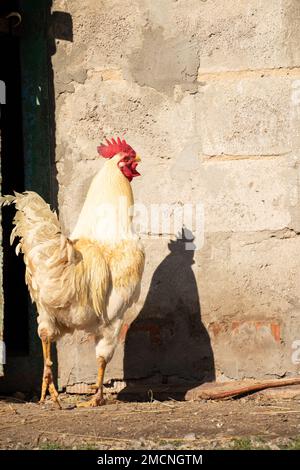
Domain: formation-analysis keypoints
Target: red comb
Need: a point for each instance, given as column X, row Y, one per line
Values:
column 113, row 147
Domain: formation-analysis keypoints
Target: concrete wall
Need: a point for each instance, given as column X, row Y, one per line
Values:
column 208, row 93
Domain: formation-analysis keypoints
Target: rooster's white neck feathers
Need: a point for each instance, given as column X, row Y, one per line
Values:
column 106, row 213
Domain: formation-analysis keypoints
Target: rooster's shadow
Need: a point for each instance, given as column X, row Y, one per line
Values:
column 167, row 347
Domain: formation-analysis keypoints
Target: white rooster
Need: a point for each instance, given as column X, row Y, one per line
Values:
column 88, row 281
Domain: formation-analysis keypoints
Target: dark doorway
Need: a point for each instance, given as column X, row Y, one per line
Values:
column 168, row 345
column 12, row 168
column 28, row 143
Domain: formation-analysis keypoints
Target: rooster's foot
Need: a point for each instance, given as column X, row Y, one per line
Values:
column 94, row 386
column 96, row 400
column 49, row 385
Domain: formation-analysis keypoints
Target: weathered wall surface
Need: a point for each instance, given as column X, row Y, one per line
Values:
column 208, row 92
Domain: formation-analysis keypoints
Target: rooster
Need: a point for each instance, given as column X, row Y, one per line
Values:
column 87, row 281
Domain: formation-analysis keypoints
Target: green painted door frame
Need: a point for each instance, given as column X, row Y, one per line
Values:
column 2, row 344
column 36, row 105
column 24, row 372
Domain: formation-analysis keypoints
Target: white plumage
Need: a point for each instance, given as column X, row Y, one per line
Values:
column 86, row 282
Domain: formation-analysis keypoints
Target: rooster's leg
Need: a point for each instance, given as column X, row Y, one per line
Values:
column 47, row 383
column 98, row 398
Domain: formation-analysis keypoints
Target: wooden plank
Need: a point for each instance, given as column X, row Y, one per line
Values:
column 221, row 391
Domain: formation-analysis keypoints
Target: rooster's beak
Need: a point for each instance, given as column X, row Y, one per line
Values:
column 137, row 158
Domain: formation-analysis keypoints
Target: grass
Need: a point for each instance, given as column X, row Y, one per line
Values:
column 247, row 443
column 176, row 443
column 58, row 446
column 294, row 444
column 52, row 446
column 242, row 444
column 259, row 444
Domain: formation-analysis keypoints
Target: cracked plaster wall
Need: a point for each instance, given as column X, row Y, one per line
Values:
column 208, row 94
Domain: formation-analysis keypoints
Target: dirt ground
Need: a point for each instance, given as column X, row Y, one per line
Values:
column 254, row 422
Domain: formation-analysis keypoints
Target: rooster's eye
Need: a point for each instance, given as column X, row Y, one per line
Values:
column 126, row 159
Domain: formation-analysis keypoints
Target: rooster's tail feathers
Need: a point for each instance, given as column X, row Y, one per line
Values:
column 48, row 254
column 34, row 220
